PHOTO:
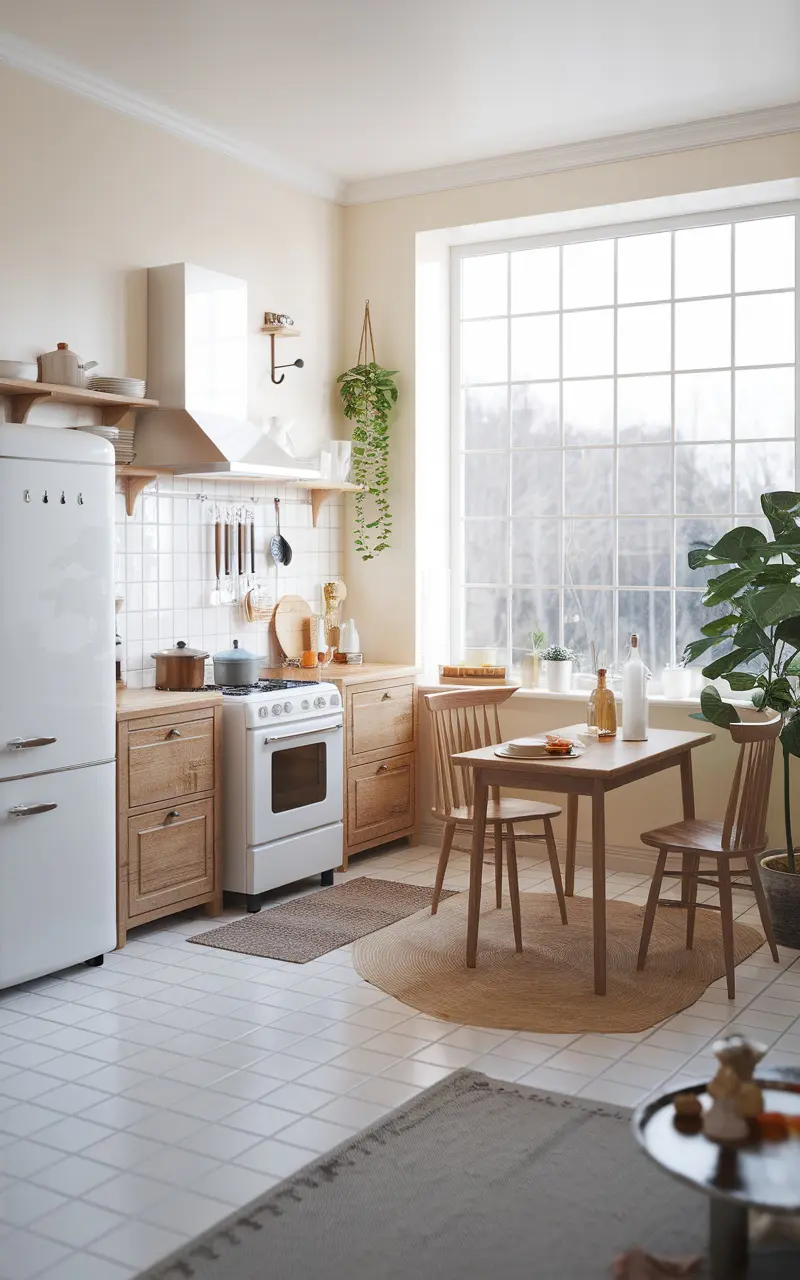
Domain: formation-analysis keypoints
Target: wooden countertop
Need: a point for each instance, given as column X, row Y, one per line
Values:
column 341, row 673
column 135, row 703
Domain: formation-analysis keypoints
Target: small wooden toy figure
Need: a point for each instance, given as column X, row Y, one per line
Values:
column 737, row 1098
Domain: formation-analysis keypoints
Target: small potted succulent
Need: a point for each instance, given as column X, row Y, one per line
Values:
column 531, row 662
column 558, row 662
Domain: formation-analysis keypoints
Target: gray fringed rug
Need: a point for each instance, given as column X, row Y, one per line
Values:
column 316, row 923
column 472, row 1179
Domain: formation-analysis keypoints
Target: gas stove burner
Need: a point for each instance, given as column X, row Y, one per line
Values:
column 260, row 686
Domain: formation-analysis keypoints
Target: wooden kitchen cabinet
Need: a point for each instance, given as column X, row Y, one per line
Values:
column 168, row 805
column 380, row 722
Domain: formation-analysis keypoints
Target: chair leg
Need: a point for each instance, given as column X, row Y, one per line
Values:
column 444, row 857
column 726, row 915
column 513, row 886
column 761, row 901
column 498, row 864
column 650, row 909
column 690, row 885
column 552, row 853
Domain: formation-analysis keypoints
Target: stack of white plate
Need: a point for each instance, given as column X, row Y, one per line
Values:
column 525, row 748
column 133, row 387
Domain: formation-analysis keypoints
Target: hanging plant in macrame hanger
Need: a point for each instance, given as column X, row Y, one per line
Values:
column 368, row 395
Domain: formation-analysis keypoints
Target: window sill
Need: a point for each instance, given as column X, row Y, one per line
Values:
column 573, row 695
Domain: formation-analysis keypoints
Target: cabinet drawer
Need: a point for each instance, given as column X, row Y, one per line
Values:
column 381, row 719
column 380, row 798
column 170, row 760
column 170, row 856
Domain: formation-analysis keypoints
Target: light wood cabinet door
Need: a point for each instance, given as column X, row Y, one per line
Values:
column 380, row 798
column 170, row 760
column 381, row 719
column 170, row 856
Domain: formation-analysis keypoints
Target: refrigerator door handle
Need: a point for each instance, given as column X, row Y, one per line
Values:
column 28, row 810
column 21, row 744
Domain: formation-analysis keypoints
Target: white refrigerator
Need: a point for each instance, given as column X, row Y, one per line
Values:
column 57, row 701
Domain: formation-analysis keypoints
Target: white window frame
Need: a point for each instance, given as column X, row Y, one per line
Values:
column 740, row 213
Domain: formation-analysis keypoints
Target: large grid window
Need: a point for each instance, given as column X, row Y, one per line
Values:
column 619, row 400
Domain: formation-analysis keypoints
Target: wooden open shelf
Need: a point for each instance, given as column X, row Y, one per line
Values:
column 321, row 490
column 134, row 480
column 281, row 330
column 23, row 395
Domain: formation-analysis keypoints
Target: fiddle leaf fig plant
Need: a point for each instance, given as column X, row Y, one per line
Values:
column 368, row 395
column 758, row 590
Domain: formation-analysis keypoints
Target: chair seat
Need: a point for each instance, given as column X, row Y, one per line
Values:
column 694, row 835
column 506, row 809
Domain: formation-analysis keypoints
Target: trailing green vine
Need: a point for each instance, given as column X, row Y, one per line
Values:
column 368, row 395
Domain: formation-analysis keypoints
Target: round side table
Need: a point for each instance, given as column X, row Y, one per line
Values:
column 736, row 1178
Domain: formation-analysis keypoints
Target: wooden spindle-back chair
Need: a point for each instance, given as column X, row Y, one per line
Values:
column 740, row 836
column 466, row 720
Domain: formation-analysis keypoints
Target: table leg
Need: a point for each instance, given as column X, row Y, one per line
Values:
column 727, row 1240
column 479, row 805
column 687, row 796
column 599, row 886
column 572, row 840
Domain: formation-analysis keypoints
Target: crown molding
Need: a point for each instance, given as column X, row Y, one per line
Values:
column 25, row 56
column 578, row 155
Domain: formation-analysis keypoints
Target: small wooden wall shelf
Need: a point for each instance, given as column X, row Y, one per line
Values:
column 321, row 490
column 134, row 480
column 281, row 330
column 23, row 395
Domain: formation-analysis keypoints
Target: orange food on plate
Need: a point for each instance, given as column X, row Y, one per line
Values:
column 558, row 746
column 773, row 1125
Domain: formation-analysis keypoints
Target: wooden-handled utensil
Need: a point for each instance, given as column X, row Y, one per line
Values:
column 216, row 594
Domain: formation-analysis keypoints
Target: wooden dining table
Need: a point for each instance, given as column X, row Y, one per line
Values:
column 604, row 766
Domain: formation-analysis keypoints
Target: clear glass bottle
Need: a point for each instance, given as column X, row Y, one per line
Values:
column 634, row 696
column 601, row 714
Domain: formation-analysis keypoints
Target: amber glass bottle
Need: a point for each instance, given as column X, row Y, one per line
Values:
column 601, row 713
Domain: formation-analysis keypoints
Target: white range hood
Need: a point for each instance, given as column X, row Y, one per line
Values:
column 197, row 369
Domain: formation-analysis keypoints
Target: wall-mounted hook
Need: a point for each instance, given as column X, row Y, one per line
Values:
column 45, row 498
column 62, row 499
column 296, row 364
column 26, row 497
column 80, row 499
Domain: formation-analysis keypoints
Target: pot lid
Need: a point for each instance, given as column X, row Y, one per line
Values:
column 180, row 650
column 236, row 655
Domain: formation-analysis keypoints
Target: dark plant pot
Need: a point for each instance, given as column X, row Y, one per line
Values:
column 783, row 895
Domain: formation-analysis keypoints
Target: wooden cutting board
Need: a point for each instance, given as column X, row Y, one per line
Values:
column 293, row 625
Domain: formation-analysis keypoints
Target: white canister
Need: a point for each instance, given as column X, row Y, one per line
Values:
column 340, row 460
column 558, row 676
column 63, row 367
column 677, row 682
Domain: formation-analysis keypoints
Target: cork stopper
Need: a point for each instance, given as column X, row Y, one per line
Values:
column 634, row 641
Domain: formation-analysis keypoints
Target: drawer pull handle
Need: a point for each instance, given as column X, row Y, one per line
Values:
column 173, row 813
column 174, row 733
column 387, row 697
column 28, row 810
column 22, row 744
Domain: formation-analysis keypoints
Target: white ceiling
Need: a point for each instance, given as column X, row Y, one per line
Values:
column 346, row 90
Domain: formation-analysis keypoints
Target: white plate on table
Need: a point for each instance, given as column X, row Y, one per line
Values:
column 502, row 750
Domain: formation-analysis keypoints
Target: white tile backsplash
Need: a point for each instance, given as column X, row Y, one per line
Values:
column 164, row 566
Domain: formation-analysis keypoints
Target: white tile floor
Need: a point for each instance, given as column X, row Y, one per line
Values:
column 143, row 1101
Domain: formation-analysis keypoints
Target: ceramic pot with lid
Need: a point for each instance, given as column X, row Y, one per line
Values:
column 180, row 670
column 236, row 666
column 63, row 367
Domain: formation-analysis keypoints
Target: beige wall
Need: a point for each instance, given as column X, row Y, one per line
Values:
column 379, row 256
column 91, row 198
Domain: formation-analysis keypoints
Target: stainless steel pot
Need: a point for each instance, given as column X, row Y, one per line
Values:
column 236, row 666
column 180, row 670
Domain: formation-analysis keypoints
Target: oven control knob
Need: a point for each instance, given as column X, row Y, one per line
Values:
column 277, row 709
column 335, row 699
column 287, row 706
column 319, row 702
column 305, row 705
column 263, row 712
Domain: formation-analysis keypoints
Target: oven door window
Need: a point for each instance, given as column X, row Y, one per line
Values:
column 299, row 776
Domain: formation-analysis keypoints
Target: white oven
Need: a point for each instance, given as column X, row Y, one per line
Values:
column 283, row 775
column 296, row 775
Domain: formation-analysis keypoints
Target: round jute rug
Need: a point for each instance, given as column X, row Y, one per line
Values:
column 420, row 960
